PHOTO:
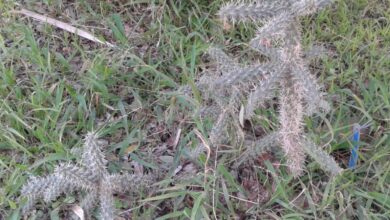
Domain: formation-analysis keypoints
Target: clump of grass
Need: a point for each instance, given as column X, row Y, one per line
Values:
column 90, row 175
column 286, row 76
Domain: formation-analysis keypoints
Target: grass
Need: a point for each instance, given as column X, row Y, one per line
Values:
column 55, row 87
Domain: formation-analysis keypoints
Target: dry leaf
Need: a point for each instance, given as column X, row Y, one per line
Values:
column 241, row 116
column 131, row 149
column 78, row 211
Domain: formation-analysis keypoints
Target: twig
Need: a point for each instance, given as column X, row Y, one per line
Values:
column 63, row 26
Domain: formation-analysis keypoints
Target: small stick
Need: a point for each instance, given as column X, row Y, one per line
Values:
column 63, row 26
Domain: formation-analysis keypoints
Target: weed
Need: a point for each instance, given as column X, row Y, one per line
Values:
column 287, row 72
column 90, row 176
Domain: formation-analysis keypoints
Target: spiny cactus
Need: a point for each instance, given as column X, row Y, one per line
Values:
column 286, row 75
column 90, row 176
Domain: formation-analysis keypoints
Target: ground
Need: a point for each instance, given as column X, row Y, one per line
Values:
column 56, row 86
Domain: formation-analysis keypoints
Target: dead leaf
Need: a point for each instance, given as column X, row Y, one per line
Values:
column 131, row 149
column 241, row 116
column 78, row 211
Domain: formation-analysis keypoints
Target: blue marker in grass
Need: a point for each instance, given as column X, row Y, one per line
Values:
column 355, row 141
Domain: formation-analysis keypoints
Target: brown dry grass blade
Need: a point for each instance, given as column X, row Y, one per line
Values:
column 63, row 26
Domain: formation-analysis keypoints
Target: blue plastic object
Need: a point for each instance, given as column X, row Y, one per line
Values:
column 355, row 141
column 354, row 152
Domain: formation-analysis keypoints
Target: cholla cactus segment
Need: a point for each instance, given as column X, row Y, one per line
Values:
column 285, row 75
column 226, row 64
column 216, row 136
column 291, row 126
column 106, row 199
column 254, row 11
column 75, row 175
column 217, row 132
column 255, row 148
column 91, row 176
column 263, row 91
column 322, row 158
column 306, row 7
column 34, row 189
column 265, row 144
column 243, row 76
column 65, row 178
column 263, row 10
column 315, row 101
column 92, row 155
column 89, row 201
column 276, row 27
